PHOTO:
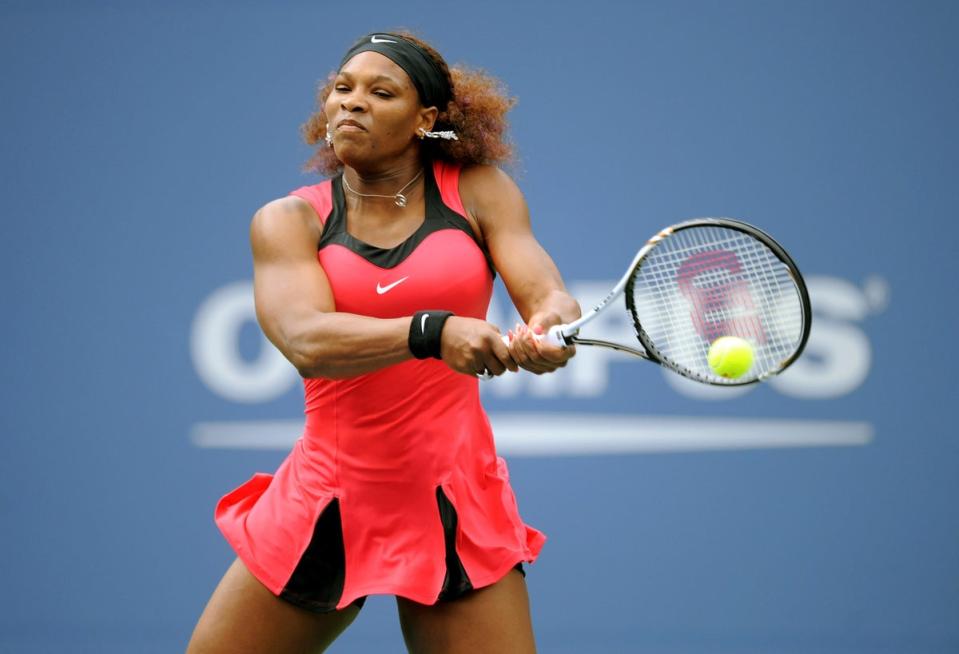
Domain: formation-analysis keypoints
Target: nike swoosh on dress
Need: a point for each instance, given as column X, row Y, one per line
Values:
column 380, row 290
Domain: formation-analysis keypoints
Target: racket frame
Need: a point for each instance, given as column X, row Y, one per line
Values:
column 568, row 334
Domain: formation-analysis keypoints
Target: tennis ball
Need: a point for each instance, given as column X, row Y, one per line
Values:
column 730, row 357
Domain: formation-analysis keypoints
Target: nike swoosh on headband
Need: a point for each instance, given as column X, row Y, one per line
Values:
column 376, row 39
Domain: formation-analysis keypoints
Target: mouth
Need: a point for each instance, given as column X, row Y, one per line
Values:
column 349, row 126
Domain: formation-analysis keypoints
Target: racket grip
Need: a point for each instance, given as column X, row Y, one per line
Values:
column 554, row 336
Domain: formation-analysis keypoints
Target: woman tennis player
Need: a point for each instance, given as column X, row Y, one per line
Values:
column 375, row 285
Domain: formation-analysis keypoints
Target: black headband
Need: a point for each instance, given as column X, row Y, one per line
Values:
column 429, row 80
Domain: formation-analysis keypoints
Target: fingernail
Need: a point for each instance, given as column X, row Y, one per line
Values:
column 538, row 330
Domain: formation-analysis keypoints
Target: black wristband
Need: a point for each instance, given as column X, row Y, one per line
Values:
column 425, row 333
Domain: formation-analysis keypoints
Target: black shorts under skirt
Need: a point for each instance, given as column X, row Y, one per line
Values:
column 317, row 581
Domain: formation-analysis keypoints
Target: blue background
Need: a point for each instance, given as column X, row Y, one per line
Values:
column 138, row 139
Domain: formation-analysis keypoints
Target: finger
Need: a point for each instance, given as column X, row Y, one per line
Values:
column 550, row 353
column 493, row 364
column 520, row 347
column 549, row 356
column 528, row 356
column 502, row 352
column 537, row 345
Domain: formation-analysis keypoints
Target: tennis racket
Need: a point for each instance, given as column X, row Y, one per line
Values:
column 700, row 280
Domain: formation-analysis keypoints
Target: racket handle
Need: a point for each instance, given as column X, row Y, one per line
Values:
column 554, row 336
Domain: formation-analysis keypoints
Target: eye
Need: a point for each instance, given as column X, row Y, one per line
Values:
column 341, row 88
column 383, row 94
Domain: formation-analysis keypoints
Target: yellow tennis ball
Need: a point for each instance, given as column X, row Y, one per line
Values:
column 730, row 357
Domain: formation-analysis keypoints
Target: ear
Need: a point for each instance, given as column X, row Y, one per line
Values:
column 426, row 119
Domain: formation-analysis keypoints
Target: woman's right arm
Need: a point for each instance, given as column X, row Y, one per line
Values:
column 294, row 301
column 295, row 309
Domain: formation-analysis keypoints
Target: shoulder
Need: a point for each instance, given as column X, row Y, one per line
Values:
column 289, row 210
column 490, row 194
column 483, row 187
column 285, row 220
column 482, row 178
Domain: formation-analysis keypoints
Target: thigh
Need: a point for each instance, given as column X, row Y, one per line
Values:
column 493, row 619
column 244, row 617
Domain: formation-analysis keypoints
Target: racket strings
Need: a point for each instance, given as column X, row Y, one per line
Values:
column 704, row 282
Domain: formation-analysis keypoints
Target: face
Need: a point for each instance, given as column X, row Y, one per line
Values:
column 374, row 111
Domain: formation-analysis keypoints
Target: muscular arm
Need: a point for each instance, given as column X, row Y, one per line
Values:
column 295, row 308
column 530, row 276
column 294, row 302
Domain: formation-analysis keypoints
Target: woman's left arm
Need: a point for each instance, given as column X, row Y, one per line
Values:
column 534, row 284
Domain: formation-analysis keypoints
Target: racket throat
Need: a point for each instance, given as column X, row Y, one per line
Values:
column 619, row 347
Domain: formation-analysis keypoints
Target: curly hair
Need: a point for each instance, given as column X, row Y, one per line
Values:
column 477, row 113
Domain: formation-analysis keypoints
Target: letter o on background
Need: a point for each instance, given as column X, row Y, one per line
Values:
column 215, row 350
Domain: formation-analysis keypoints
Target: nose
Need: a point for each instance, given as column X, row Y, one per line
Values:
column 351, row 102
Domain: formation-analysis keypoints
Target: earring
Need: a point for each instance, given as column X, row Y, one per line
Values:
column 446, row 135
column 329, row 137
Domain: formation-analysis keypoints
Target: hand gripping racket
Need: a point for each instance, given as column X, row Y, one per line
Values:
column 700, row 280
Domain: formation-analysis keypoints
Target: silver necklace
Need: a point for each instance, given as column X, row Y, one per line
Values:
column 398, row 198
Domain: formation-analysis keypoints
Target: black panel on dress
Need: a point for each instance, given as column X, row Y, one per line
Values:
column 317, row 582
column 438, row 217
column 457, row 582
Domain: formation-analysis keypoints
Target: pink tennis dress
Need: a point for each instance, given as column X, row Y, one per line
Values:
column 394, row 487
